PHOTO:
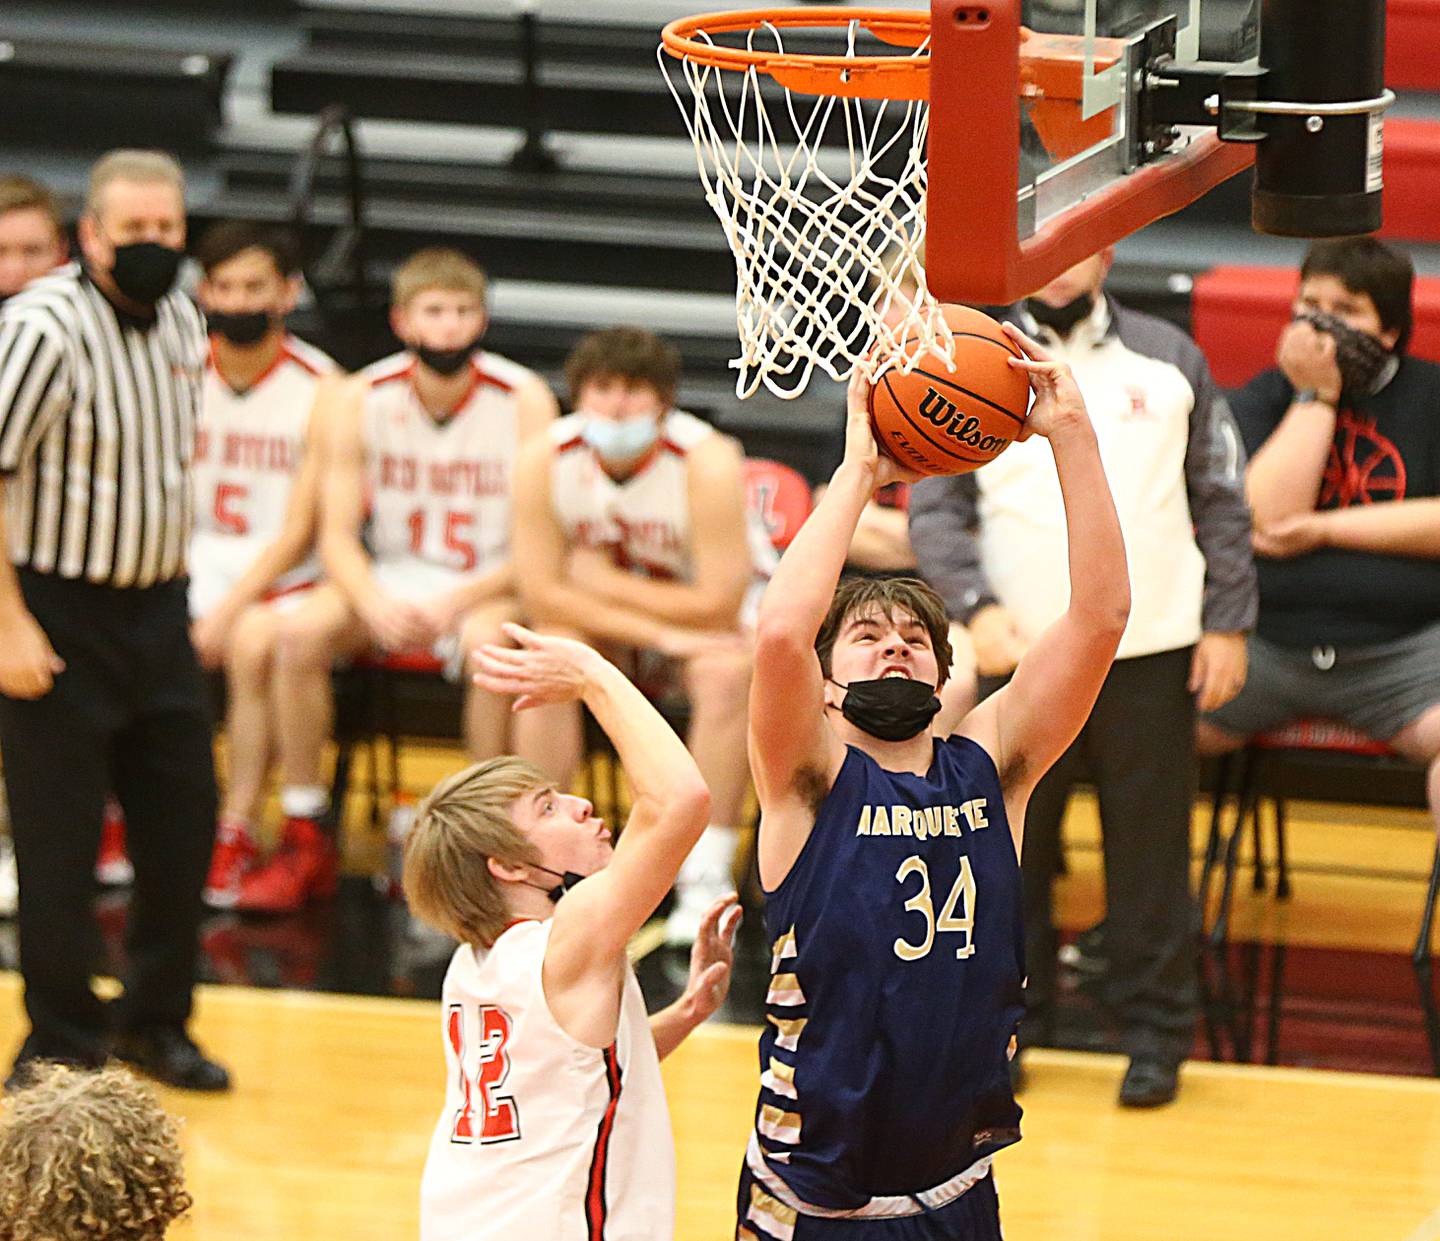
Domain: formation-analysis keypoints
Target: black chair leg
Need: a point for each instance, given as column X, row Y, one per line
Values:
column 1423, row 962
column 1226, row 768
column 1259, row 876
column 1249, row 781
column 1282, row 849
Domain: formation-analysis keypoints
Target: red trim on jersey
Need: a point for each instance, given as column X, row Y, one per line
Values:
column 406, row 370
column 302, row 362
column 477, row 381
column 671, row 446
column 282, row 355
column 596, row 1208
column 485, row 377
column 570, row 445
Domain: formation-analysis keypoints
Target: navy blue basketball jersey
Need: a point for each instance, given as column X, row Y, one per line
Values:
column 896, row 974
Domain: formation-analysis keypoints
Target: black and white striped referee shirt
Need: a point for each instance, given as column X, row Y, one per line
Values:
column 97, row 431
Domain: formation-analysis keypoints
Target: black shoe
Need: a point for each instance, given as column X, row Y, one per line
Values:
column 1150, row 1081
column 170, row 1056
column 1086, row 954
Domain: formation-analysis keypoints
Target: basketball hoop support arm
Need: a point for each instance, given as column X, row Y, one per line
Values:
column 1315, row 137
column 974, row 184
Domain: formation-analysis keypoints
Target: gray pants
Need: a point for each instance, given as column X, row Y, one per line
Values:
column 1138, row 747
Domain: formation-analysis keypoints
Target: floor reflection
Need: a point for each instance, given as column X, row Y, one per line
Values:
column 1263, row 1003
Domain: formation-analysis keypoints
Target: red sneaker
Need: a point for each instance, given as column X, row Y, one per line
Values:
column 112, row 863
column 235, row 855
column 304, row 868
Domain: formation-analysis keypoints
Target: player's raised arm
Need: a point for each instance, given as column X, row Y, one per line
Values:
column 1027, row 725
column 671, row 807
column 788, row 733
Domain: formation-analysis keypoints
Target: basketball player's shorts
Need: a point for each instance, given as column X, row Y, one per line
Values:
column 217, row 562
column 973, row 1216
column 1377, row 689
column 415, row 581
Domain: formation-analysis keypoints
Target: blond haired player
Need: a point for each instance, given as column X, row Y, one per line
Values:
column 631, row 524
column 257, row 485
column 554, row 1124
column 419, row 453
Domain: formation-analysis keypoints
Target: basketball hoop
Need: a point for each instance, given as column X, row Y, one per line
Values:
column 815, row 164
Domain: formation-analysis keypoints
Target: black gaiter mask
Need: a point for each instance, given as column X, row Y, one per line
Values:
column 446, row 362
column 242, row 329
column 892, row 708
column 1061, row 319
column 145, row 271
column 1362, row 360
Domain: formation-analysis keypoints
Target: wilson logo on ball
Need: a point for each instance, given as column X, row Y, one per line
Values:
column 963, row 427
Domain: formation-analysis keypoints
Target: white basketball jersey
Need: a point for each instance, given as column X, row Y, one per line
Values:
column 643, row 521
column 248, row 449
column 439, row 489
column 543, row 1138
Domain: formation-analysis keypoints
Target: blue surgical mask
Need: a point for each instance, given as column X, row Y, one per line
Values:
column 621, row 439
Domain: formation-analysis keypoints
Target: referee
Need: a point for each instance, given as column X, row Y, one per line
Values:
column 100, row 371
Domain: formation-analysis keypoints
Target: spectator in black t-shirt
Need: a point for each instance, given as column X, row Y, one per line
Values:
column 1344, row 485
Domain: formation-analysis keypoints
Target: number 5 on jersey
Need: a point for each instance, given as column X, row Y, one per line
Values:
column 500, row 1118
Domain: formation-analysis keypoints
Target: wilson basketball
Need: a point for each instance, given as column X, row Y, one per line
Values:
column 940, row 421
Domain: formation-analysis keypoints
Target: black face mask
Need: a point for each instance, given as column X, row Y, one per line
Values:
column 893, row 708
column 1362, row 360
column 246, row 328
column 568, row 879
column 1061, row 319
column 446, row 362
column 145, row 271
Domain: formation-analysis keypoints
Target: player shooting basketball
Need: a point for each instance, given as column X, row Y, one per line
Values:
column 555, row 1126
column 890, row 859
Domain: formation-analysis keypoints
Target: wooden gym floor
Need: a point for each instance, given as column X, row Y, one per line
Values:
column 325, row 1134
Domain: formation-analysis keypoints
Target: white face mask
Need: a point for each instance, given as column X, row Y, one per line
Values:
column 620, row 439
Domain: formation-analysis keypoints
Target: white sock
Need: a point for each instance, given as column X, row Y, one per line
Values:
column 304, row 801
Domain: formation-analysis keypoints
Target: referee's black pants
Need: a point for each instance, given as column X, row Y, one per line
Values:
column 1138, row 747
column 128, row 713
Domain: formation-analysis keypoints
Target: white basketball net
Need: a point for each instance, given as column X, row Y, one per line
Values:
column 827, row 236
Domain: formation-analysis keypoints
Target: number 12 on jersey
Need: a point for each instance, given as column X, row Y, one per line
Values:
column 499, row 1117
column 962, row 896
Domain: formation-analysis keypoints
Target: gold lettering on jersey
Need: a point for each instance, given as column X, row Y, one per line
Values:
column 929, row 822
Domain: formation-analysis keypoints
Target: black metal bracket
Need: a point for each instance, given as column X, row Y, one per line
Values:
column 1168, row 93
column 534, row 154
column 344, row 260
column 1204, row 92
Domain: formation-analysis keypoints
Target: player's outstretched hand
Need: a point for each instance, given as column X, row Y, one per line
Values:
column 861, row 447
column 1058, row 406
column 712, row 959
column 538, row 669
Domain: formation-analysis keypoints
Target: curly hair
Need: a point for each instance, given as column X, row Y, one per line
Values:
column 88, row 1156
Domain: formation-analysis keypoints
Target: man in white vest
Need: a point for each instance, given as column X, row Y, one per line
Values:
column 993, row 544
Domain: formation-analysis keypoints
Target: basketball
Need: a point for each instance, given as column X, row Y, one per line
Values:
column 940, row 421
